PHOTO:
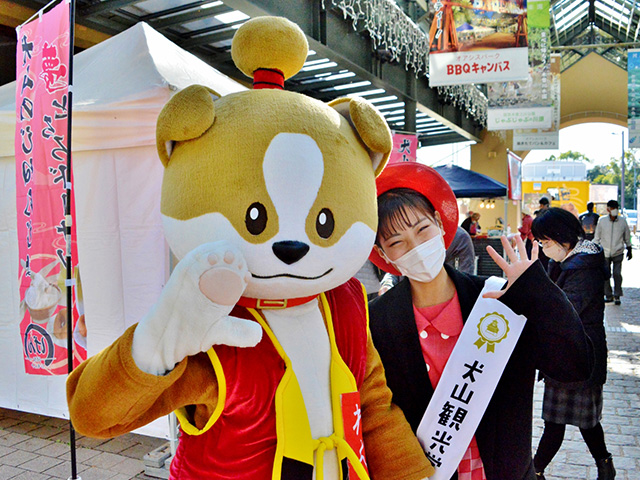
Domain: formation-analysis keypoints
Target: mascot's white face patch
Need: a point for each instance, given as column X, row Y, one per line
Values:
column 293, row 170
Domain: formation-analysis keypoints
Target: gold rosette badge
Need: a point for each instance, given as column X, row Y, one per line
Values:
column 492, row 328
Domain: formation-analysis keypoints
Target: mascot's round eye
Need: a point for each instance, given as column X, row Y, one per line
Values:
column 256, row 218
column 325, row 223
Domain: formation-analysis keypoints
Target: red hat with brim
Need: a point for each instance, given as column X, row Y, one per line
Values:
column 428, row 182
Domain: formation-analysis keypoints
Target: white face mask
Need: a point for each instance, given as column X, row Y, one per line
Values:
column 424, row 262
column 614, row 212
column 555, row 252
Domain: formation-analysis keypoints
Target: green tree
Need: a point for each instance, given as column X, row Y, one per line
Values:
column 596, row 172
column 569, row 156
column 611, row 174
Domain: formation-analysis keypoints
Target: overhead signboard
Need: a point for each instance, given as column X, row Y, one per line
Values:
column 478, row 42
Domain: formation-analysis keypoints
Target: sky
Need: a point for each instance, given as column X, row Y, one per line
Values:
column 598, row 141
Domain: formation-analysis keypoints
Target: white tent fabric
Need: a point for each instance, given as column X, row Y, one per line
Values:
column 120, row 85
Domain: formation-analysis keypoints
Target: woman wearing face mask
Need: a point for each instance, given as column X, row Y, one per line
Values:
column 417, row 323
column 577, row 267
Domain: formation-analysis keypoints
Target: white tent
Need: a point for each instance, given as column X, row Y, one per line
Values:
column 120, row 85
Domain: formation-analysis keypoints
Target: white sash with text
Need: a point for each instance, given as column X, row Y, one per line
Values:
column 468, row 381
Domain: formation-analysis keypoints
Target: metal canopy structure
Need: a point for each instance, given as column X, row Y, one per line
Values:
column 607, row 27
column 341, row 61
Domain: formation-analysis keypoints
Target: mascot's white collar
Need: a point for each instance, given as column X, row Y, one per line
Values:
column 273, row 304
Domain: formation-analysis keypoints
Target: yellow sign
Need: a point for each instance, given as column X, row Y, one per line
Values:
column 558, row 192
column 492, row 328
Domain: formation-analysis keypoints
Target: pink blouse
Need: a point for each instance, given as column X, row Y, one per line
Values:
column 439, row 327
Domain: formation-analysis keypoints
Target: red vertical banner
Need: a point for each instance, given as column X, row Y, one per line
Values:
column 514, row 164
column 352, row 423
column 405, row 148
column 41, row 150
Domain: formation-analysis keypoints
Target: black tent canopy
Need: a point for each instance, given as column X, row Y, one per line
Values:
column 468, row 184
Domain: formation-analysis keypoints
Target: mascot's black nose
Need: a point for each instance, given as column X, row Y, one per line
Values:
column 290, row 251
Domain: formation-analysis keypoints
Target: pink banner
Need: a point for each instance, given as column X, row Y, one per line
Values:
column 405, row 148
column 514, row 163
column 41, row 148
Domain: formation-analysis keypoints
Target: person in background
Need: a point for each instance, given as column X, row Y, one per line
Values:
column 416, row 324
column 461, row 249
column 612, row 233
column 525, row 231
column 577, row 267
column 470, row 224
column 368, row 276
column 544, row 204
column 589, row 220
column 461, row 254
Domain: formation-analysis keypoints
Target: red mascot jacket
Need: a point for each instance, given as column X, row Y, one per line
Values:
column 248, row 435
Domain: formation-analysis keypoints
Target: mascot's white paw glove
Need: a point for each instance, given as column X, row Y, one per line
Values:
column 192, row 313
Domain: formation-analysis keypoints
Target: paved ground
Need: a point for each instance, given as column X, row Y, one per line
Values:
column 34, row 447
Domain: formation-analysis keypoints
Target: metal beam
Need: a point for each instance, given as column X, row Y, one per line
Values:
column 631, row 16
column 214, row 37
column 113, row 25
column 410, row 106
column 170, row 11
column 592, row 11
column 104, row 6
column 573, row 32
column 597, row 45
column 190, row 16
column 430, row 140
column 600, row 23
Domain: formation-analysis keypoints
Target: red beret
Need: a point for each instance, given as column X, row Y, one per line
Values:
column 428, row 182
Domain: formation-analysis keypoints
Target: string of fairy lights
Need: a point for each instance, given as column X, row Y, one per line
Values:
column 390, row 28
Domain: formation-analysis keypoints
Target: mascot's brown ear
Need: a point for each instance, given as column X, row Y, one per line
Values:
column 371, row 127
column 188, row 114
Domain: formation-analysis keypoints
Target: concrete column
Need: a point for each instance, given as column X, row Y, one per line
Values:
column 410, row 115
column 410, row 105
column 490, row 158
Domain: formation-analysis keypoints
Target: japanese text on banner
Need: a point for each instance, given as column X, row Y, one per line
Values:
column 42, row 108
column 405, row 148
column 478, row 42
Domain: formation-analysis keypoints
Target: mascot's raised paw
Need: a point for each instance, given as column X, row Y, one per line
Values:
column 223, row 283
column 192, row 313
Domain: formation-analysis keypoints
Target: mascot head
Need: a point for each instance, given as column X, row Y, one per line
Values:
column 286, row 178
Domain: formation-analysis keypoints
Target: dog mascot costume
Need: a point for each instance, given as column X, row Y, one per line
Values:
column 260, row 341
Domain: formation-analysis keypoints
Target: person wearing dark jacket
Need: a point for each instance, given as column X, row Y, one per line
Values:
column 416, row 324
column 589, row 221
column 577, row 266
column 471, row 225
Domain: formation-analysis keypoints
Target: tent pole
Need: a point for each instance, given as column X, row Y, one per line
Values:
column 68, row 225
column 504, row 223
column 506, row 206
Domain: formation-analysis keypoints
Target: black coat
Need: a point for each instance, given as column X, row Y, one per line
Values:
column 581, row 277
column 553, row 341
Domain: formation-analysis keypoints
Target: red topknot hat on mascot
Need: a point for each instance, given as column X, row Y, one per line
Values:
column 428, row 182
